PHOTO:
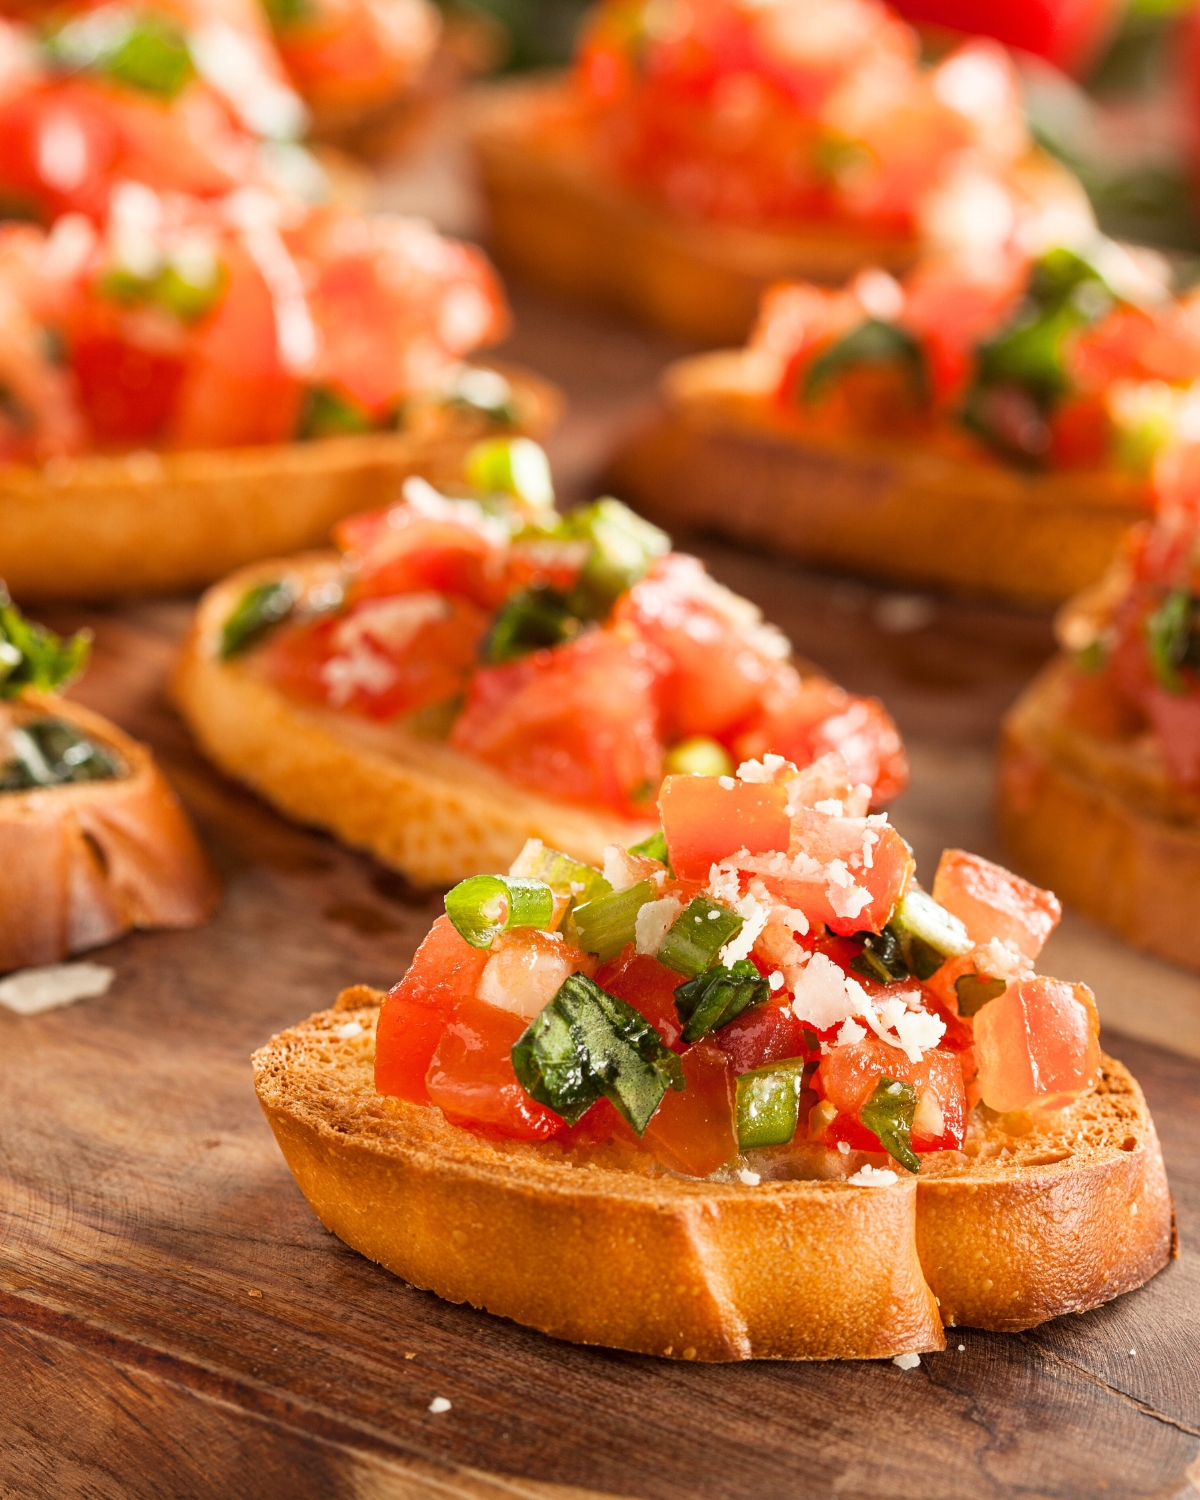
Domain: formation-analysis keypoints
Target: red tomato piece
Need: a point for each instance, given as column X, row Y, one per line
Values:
column 344, row 56
column 848, row 1075
column 1068, row 33
column 445, row 971
column 471, row 1077
column 1037, row 1045
column 649, row 987
column 1176, row 721
column 992, row 902
column 127, row 394
column 705, row 821
column 759, row 1036
column 694, row 1131
column 833, row 896
column 578, row 721
column 401, row 551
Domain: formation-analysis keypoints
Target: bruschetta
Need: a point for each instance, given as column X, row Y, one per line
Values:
column 985, row 426
column 680, row 170
column 474, row 669
column 1099, row 785
column 92, row 840
column 746, row 1092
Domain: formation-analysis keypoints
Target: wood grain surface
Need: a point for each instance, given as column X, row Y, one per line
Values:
column 175, row 1323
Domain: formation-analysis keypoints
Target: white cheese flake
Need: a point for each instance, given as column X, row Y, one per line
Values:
column 727, row 782
column 775, row 981
column 31, row 991
column 824, row 995
column 351, row 1028
column 752, row 1179
column 851, row 1032
column 906, row 1361
column 869, row 1176
column 761, row 771
column 438, row 1405
column 652, row 922
column 754, row 915
column 830, row 805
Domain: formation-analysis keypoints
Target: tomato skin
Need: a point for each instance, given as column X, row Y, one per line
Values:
column 994, row 903
column 649, row 987
column 694, row 1131
column 759, row 1036
column 705, row 822
column 127, row 394
column 1037, row 1045
column 1068, row 33
column 400, row 552
column 885, row 880
column 849, row 1073
column 471, row 1078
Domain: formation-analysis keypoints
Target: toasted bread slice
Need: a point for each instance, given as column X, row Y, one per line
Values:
column 84, row 863
column 608, row 1248
column 720, row 457
column 101, row 526
column 415, row 803
column 1099, row 822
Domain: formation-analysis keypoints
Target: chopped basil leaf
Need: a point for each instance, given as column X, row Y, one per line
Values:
column 889, row 1113
column 33, row 657
column 144, row 51
column 975, row 990
column 717, row 996
column 919, row 937
column 52, row 752
column 326, row 413
column 586, row 1042
column 768, row 1104
column 259, row 610
column 1173, row 638
column 697, row 935
column 483, row 906
column 606, row 923
column 873, row 342
column 529, row 621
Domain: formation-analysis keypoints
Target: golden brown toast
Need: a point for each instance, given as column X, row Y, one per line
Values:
column 609, row 1248
column 719, row 457
column 101, row 526
column 84, row 863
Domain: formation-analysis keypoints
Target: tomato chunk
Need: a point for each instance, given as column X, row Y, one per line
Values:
column 401, row 552
column 445, row 970
column 705, row 820
column 471, row 1077
column 848, row 1075
column 838, row 886
column 994, row 903
column 694, row 1131
column 649, row 987
column 1037, row 1045
column 759, row 1036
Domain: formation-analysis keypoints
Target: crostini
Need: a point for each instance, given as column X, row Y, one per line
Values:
column 987, row 426
column 748, row 1092
column 687, row 164
column 92, row 840
column 475, row 669
column 1099, row 788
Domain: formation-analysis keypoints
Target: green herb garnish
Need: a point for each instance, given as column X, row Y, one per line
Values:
column 169, row 287
column 873, row 342
column 606, row 923
column 483, row 906
column 975, row 990
column 698, row 756
column 889, row 1113
column 529, row 621
column 33, row 657
column 144, row 51
column 768, row 1104
column 697, row 935
column 586, row 1043
column 623, row 547
column 258, row 611
column 1173, row 638
column 511, row 466
column 654, row 847
column 327, row 413
column 51, row 752
column 483, row 393
column 919, row 937
column 718, row 996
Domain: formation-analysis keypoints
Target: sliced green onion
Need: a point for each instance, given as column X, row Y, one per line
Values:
column 889, row 1113
column 586, row 1042
column 511, row 466
column 186, row 298
column 483, row 906
column 768, row 1104
column 606, row 923
column 565, row 876
column 259, row 610
column 530, row 620
column 327, row 413
column 699, row 756
column 145, row 52
column 873, row 342
column 919, row 937
column 717, row 996
column 623, row 547
column 975, row 990
column 655, row 847
column 697, row 935
column 33, row 657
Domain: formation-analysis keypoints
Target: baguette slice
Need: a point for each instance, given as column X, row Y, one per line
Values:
column 85, row 863
column 100, row 526
column 719, row 457
column 1099, row 823
column 554, row 219
column 415, row 803
column 608, row 1249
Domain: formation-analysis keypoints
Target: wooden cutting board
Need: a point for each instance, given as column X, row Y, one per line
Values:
column 174, row 1322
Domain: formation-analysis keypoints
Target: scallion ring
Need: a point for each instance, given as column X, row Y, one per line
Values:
column 485, row 905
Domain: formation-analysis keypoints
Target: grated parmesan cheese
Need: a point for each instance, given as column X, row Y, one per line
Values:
column 652, row 922
column 31, row 991
column 869, row 1176
column 907, row 1361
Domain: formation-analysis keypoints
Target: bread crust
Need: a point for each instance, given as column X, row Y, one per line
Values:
column 719, row 457
column 633, row 1257
column 416, row 804
column 100, row 526
column 85, row 863
column 1097, row 825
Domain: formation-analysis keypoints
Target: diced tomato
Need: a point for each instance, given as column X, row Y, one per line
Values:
column 992, row 902
column 1081, row 433
column 444, row 972
column 849, row 1073
column 1176, row 721
column 578, row 721
column 471, row 1077
column 1068, row 33
column 759, row 1036
column 705, row 821
column 694, row 1131
column 721, row 654
column 127, row 393
column 649, row 987
column 833, row 895
column 400, row 551
column 599, row 1125
column 346, row 54
column 1037, row 1045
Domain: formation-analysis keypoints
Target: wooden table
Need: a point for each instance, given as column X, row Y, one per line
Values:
column 175, row 1323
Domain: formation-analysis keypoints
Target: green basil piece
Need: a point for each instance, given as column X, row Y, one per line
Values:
column 606, row 923
column 585, row 1043
column 919, row 937
column 699, row 756
column 529, row 621
column 975, row 990
column 623, row 547
column 258, row 611
column 52, row 752
column 654, row 847
column 873, row 342
column 889, row 1113
column 1173, row 638
column 697, row 935
column 768, row 1104
column 483, row 906
column 717, row 996
column 33, row 657
column 327, row 413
